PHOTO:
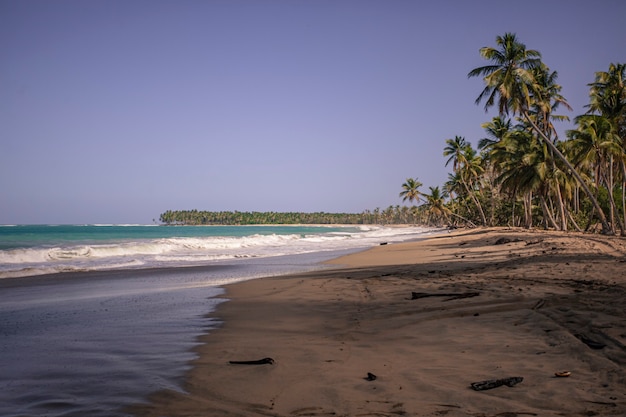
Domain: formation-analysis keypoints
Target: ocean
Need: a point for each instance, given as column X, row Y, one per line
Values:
column 96, row 317
column 27, row 250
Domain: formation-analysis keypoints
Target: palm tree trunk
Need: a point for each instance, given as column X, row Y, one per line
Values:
column 606, row 229
column 475, row 200
column 464, row 219
column 610, row 189
column 559, row 199
column 528, row 210
column 613, row 206
column 623, row 164
column 492, row 199
column 571, row 218
column 561, row 205
column 547, row 213
column 513, row 210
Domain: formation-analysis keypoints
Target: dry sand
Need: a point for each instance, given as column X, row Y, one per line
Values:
column 541, row 295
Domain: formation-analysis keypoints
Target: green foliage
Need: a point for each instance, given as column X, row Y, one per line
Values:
column 195, row 217
column 390, row 215
column 525, row 175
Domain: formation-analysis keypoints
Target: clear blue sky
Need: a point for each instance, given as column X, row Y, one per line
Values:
column 115, row 111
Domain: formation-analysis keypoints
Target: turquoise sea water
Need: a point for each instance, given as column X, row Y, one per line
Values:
column 28, row 236
column 27, row 250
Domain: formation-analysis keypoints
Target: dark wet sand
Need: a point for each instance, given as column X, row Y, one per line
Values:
column 86, row 344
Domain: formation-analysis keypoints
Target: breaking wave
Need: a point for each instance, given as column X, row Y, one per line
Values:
column 190, row 251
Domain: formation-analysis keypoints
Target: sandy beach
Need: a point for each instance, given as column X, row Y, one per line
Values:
column 405, row 329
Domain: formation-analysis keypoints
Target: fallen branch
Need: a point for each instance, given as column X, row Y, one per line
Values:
column 263, row 361
column 451, row 295
column 505, row 240
column 370, row 377
column 495, row 383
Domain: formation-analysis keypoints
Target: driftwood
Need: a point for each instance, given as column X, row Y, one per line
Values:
column 450, row 295
column 370, row 377
column 505, row 240
column 495, row 383
column 264, row 361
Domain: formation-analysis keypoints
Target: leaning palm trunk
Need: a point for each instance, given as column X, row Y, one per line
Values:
column 613, row 205
column 606, row 177
column 609, row 183
column 571, row 219
column 559, row 199
column 606, row 229
column 548, row 218
column 477, row 203
column 468, row 221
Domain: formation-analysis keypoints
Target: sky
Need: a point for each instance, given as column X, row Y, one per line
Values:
column 116, row 111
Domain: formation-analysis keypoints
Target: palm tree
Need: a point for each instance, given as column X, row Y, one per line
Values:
column 511, row 81
column 410, row 190
column 596, row 146
column 472, row 173
column 496, row 130
column 435, row 206
column 454, row 187
column 515, row 163
column 547, row 98
column 464, row 162
column 509, row 78
column 417, row 214
column 436, row 209
column 608, row 98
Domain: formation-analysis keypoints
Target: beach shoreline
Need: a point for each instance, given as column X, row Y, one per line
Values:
column 93, row 342
column 404, row 329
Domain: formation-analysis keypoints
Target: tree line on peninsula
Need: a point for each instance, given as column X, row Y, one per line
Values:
column 522, row 173
column 194, row 217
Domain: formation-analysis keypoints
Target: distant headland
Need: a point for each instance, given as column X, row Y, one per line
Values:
column 390, row 215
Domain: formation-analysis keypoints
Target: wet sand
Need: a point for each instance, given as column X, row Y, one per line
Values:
column 85, row 344
column 425, row 319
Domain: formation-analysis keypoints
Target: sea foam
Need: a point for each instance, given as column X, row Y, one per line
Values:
column 190, row 251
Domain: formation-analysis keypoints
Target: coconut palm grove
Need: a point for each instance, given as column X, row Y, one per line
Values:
column 521, row 174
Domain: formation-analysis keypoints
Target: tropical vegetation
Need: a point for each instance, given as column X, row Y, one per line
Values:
column 522, row 173
column 194, row 217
